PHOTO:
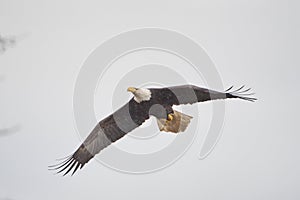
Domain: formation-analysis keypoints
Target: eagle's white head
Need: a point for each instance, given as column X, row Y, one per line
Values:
column 140, row 94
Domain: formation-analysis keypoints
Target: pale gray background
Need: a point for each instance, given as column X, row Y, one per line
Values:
column 251, row 42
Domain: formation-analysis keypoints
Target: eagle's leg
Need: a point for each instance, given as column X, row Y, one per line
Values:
column 178, row 123
column 170, row 112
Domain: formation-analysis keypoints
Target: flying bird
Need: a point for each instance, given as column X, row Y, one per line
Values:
column 146, row 102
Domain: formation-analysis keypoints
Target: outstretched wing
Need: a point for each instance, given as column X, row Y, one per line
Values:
column 109, row 130
column 189, row 94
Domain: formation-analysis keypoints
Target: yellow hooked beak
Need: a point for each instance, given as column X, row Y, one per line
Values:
column 131, row 89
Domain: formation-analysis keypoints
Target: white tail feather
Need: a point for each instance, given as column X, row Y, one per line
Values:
column 178, row 124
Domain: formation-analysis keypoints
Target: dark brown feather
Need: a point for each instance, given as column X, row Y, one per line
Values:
column 109, row 130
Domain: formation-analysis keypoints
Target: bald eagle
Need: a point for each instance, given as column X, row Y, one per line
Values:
column 146, row 102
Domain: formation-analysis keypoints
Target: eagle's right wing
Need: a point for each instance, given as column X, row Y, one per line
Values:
column 106, row 131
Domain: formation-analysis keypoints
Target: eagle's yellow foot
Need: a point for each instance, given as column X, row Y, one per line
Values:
column 170, row 117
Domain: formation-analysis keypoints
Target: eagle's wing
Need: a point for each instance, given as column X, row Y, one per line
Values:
column 106, row 131
column 189, row 94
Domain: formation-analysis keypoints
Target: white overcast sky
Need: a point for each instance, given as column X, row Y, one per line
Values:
column 251, row 42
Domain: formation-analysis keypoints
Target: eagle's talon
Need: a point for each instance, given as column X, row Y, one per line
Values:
column 170, row 117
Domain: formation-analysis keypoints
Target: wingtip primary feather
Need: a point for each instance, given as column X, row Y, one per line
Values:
column 241, row 94
column 66, row 166
column 229, row 88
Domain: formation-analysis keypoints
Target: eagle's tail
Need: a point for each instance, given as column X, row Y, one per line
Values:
column 179, row 123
